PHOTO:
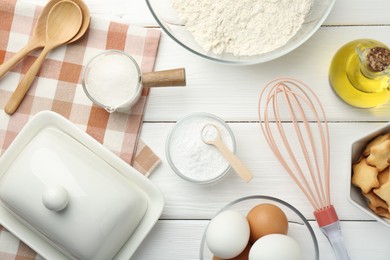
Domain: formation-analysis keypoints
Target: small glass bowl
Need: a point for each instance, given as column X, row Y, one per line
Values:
column 298, row 227
column 202, row 119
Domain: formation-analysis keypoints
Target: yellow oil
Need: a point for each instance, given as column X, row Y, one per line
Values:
column 351, row 84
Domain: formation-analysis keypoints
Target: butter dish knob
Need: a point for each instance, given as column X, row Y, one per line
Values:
column 55, row 198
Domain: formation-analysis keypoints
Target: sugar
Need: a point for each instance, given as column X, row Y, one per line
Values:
column 113, row 80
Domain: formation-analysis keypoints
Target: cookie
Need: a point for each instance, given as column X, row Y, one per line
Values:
column 384, row 192
column 374, row 201
column 379, row 155
column 371, row 173
column 379, row 139
column 383, row 212
column 383, row 176
column 365, row 176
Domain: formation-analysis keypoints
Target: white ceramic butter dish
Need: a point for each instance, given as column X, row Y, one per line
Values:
column 67, row 197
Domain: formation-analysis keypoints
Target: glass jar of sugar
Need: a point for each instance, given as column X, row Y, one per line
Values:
column 191, row 158
column 112, row 80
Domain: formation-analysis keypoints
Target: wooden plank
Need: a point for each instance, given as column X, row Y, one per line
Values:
column 232, row 92
column 191, row 201
column 177, row 240
column 345, row 12
column 358, row 12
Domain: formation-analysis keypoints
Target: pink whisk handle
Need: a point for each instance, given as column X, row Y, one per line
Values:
column 329, row 224
column 326, row 216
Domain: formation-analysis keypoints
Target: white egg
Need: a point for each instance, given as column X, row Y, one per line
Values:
column 227, row 234
column 275, row 247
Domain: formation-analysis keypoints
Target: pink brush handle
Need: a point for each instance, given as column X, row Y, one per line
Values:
column 329, row 224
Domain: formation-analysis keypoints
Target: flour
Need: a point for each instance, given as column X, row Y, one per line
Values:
column 192, row 157
column 242, row 27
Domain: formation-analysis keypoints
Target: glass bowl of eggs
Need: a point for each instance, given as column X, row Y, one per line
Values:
column 240, row 32
column 256, row 228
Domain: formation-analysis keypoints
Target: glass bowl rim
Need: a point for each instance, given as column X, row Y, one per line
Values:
column 265, row 197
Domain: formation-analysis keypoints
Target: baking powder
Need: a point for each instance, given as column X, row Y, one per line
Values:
column 242, row 27
column 209, row 133
column 191, row 156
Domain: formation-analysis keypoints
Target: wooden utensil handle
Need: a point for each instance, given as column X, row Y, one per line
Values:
column 164, row 78
column 234, row 161
column 10, row 63
column 21, row 90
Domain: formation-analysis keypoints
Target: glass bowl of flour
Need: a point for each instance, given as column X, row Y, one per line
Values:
column 192, row 159
column 240, row 32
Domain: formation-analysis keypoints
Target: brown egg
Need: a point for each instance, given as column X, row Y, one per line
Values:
column 265, row 219
column 243, row 256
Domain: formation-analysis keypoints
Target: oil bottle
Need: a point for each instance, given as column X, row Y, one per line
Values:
column 360, row 73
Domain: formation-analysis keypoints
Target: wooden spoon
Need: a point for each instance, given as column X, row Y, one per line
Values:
column 38, row 38
column 211, row 135
column 63, row 23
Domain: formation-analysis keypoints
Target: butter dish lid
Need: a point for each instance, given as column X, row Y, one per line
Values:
column 67, row 197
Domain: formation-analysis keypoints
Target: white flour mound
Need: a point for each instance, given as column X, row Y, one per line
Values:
column 242, row 27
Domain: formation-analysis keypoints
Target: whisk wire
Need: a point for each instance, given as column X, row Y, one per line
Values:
column 325, row 145
column 271, row 100
column 286, row 91
column 301, row 104
column 322, row 124
column 313, row 165
column 295, row 100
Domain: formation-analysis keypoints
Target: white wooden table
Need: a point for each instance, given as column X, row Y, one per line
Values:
column 232, row 94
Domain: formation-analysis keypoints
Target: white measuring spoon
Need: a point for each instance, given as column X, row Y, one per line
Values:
column 211, row 135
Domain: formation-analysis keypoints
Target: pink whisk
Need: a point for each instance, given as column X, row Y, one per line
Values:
column 304, row 150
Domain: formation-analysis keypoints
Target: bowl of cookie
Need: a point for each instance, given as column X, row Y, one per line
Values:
column 369, row 185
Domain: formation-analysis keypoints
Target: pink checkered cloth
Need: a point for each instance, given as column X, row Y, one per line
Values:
column 58, row 88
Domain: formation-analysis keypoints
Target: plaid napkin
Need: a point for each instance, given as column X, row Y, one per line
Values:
column 58, row 88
